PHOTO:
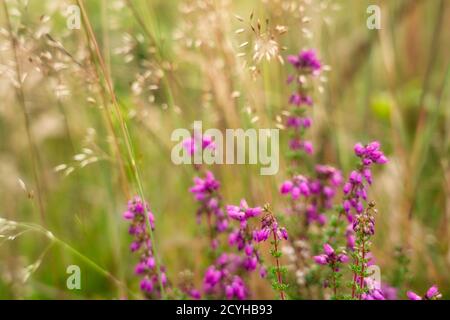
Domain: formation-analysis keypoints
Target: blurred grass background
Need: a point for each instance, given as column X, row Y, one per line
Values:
column 173, row 62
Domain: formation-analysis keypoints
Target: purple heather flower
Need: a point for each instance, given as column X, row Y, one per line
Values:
column 243, row 212
column 248, row 250
column 432, row 292
column 286, row 187
column 204, row 187
column 355, row 189
column 413, row 296
column 206, row 192
column 294, row 122
column 343, row 258
column 306, row 61
column 350, row 236
column 192, row 145
column 296, row 144
column 319, row 191
column 328, row 250
column 194, row 294
column 250, row 263
column 137, row 210
column 236, row 289
column 262, row 272
column 298, row 122
column 359, row 149
column 329, row 257
column 377, row 291
column 146, row 285
column 221, row 278
column 296, row 187
column 321, row 259
column 234, row 212
column 282, row 233
column 306, row 64
column 375, row 294
column 299, row 100
column 222, row 225
column 308, row 147
column 390, row 293
column 294, row 60
column 364, row 223
column 212, row 276
column 241, row 237
column 261, row 235
column 140, row 268
column 268, row 225
column 128, row 215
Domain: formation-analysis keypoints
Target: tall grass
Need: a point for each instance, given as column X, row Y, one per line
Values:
column 138, row 69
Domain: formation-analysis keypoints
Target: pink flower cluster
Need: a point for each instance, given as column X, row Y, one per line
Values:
column 241, row 238
column 270, row 225
column 355, row 189
column 296, row 187
column 298, row 122
column 243, row 212
column 206, row 192
column 222, row 279
column 306, row 61
column 378, row 291
column 432, row 294
column 194, row 144
column 320, row 191
column 146, row 268
column 330, row 257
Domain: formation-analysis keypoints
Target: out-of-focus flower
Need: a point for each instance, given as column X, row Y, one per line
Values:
column 432, row 294
column 329, row 256
column 198, row 143
column 206, row 192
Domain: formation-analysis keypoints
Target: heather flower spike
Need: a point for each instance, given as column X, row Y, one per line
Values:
column 271, row 229
column 198, row 143
column 109, row 107
column 364, row 228
column 221, row 279
column 306, row 61
column 306, row 64
column 206, row 192
column 146, row 268
column 333, row 260
column 241, row 237
column 355, row 189
column 432, row 294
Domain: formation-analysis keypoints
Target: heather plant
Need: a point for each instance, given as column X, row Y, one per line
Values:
column 312, row 186
column 206, row 192
column 141, row 217
column 86, row 117
column 271, row 230
column 333, row 260
column 432, row 294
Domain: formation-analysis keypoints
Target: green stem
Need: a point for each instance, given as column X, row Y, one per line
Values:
column 125, row 133
column 78, row 254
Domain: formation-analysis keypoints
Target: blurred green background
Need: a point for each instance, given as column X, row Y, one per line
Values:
column 173, row 62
